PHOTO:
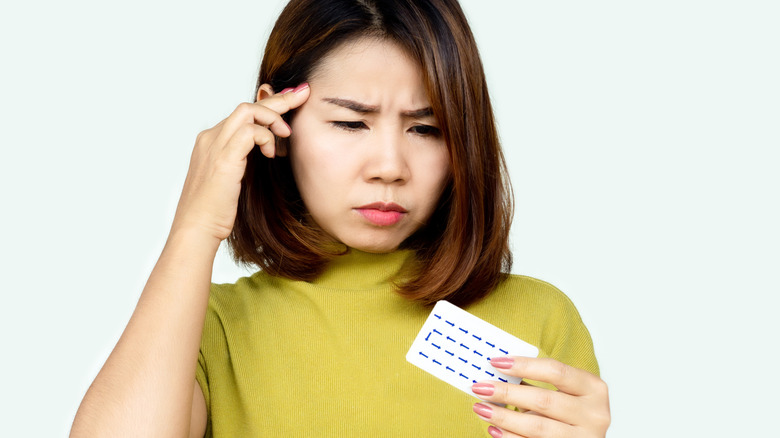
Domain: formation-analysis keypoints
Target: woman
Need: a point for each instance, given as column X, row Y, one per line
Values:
column 377, row 187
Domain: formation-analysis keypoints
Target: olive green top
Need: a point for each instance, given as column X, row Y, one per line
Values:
column 327, row 358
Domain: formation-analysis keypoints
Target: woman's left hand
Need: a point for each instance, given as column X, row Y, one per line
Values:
column 580, row 407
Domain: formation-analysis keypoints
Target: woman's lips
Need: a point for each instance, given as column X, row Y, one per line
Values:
column 382, row 214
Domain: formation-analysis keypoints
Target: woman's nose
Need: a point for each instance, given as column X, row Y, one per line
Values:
column 386, row 159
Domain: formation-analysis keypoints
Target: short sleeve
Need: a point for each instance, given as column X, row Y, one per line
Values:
column 568, row 339
column 209, row 344
column 203, row 380
column 574, row 344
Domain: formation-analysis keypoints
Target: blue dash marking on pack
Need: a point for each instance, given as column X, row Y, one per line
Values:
column 435, row 345
column 477, row 352
column 478, row 338
column 436, row 362
column 503, row 380
column 450, row 339
column 450, row 353
column 429, row 335
column 467, row 348
column 503, row 351
column 437, row 316
column 463, row 330
column 436, row 331
column 464, row 360
column 450, row 369
column 492, row 345
column 461, row 374
column 489, row 373
column 453, row 325
column 423, row 355
column 475, row 366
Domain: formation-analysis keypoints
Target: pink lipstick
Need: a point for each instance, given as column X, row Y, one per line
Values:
column 382, row 214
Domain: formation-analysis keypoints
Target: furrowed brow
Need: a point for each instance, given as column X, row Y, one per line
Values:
column 352, row 105
column 418, row 114
column 362, row 108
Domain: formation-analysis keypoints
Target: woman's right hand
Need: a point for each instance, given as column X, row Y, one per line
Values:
column 209, row 199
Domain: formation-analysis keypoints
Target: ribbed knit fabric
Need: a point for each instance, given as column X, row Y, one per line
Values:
column 327, row 358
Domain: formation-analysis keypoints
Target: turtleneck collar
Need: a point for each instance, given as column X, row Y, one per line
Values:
column 363, row 270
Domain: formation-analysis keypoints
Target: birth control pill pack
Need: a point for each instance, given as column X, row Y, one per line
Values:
column 456, row 346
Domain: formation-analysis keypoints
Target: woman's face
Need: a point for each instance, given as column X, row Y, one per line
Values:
column 366, row 152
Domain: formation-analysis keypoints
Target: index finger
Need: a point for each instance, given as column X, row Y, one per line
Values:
column 566, row 378
column 287, row 99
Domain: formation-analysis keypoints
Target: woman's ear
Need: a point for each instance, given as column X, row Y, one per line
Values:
column 265, row 91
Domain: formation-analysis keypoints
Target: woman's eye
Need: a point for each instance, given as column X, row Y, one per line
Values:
column 349, row 126
column 426, row 130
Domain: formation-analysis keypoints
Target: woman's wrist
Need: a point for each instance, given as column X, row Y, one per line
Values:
column 193, row 238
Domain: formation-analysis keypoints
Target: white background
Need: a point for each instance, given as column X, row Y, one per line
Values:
column 642, row 139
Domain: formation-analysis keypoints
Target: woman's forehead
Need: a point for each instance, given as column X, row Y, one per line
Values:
column 370, row 71
column 360, row 54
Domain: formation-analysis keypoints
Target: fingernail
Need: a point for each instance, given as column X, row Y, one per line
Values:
column 483, row 410
column 301, row 87
column 495, row 432
column 483, row 389
column 286, row 90
column 502, row 362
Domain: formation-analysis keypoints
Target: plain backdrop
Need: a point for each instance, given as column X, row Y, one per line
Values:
column 643, row 143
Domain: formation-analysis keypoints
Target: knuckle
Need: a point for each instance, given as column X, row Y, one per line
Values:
column 246, row 130
column 502, row 392
column 561, row 370
column 264, row 137
column 244, row 107
column 498, row 416
column 537, row 426
column 604, row 419
column 603, row 388
column 519, row 365
column 204, row 137
column 544, row 401
column 601, row 419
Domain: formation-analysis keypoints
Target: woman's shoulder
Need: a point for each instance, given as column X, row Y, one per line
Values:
column 234, row 298
column 241, row 284
column 522, row 290
column 540, row 314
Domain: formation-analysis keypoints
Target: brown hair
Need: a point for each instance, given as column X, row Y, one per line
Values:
column 462, row 252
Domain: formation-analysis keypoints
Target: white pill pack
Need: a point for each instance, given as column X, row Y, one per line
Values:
column 456, row 346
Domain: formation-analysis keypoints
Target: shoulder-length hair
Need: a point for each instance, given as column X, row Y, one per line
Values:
column 462, row 252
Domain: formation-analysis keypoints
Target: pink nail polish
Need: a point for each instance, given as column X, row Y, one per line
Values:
column 286, row 90
column 483, row 410
column 495, row 432
column 502, row 362
column 301, row 87
column 485, row 389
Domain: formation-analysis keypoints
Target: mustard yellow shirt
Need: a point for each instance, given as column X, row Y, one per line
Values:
column 327, row 358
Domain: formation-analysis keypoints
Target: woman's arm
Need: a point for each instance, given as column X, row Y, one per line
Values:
column 147, row 386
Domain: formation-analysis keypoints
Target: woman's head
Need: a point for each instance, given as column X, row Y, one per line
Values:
column 366, row 153
column 461, row 240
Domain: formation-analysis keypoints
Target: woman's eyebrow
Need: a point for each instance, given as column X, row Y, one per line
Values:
column 418, row 114
column 366, row 109
column 352, row 105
